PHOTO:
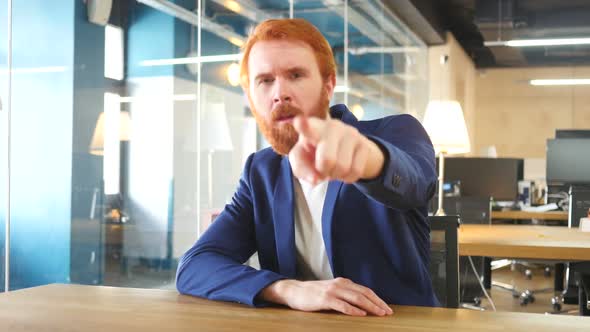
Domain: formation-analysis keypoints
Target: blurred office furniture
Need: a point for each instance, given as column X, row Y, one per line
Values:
column 446, row 127
column 581, row 273
column 559, row 216
column 568, row 161
column 526, row 296
column 568, row 177
column 471, row 210
column 485, row 177
column 525, row 242
column 566, row 158
column 495, row 177
column 444, row 259
column 579, row 203
column 526, row 215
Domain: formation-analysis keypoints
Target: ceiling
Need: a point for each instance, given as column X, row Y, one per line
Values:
column 474, row 22
column 375, row 76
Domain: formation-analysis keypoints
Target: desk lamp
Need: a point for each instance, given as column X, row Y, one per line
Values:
column 445, row 124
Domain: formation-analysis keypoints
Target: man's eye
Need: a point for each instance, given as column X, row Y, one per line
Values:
column 295, row 75
column 266, row 80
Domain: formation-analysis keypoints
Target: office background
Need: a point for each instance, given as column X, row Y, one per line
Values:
column 122, row 150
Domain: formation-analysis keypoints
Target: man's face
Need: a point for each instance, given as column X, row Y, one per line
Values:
column 285, row 81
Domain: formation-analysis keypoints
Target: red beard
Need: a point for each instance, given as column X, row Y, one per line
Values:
column 282, row 137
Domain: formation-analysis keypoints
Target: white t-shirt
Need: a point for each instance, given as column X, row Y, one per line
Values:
column 312, row 260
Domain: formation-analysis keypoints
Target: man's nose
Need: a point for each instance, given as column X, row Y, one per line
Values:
column 282, row 93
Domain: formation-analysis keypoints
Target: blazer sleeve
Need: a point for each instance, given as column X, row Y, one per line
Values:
column 213, row 268
column 408, row 178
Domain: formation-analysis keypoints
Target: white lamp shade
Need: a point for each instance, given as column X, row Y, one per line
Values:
column 446, row 127
column 358, row 111
column 215, row 130
column 124, row 126
column 233, row 74
column 97, row 143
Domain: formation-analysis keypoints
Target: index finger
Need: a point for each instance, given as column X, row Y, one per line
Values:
column 311, row 128
column 302, row 163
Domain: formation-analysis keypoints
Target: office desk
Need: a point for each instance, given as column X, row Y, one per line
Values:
column 524, row 241
column 524, row 215
column 94, row 308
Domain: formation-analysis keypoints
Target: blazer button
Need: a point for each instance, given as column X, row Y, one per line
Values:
column 396, row 180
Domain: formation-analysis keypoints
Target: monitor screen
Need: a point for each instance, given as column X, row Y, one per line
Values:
column 495, row 177
column 572, row 133
column 568, row 160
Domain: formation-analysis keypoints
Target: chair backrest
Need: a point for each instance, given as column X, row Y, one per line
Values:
column 579, row 204
column 471, row 210
column 444, row 259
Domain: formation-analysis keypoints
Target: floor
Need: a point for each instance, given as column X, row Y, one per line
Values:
column 505, row 302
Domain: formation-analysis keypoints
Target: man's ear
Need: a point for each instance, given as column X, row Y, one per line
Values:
column 330, row 84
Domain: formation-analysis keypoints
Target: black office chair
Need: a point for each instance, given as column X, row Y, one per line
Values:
column 577, row 274
column 477, row 210
column 581, row 272
column 471, row 210
column 444, row 259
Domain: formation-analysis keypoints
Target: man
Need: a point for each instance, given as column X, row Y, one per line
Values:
column 336, row 209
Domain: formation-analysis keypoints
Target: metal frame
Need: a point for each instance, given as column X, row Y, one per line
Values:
column 472, row 210
column 199, row 103
column 9, row 152
column 388, row 32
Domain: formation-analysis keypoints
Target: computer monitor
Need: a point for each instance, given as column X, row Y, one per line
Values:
column 572, row 133
column 495, row 177
column 568, row 161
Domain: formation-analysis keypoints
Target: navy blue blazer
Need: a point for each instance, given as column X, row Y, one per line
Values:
column 376, row 232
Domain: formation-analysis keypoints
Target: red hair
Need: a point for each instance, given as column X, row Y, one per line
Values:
column 295, row 29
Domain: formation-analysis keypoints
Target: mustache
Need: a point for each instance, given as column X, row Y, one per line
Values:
column 285, row 111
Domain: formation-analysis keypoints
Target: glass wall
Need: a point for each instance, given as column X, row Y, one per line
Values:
column 3, row 134
column 129, row 133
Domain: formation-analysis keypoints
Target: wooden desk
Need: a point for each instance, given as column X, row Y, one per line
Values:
column 94, row 308
column 524, row 241
column 524, row 215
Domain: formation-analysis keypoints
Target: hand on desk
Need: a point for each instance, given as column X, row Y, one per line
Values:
column 332, row 150
column 338, row 294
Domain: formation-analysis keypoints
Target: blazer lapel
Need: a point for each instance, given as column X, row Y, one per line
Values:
column 342, row 113
column 327, row 222
column 283, row 215
column 284, row 208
